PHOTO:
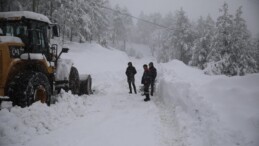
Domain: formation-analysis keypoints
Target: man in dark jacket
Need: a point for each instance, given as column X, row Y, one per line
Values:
column 130, row 72
column 146, row 81
column 153, row 74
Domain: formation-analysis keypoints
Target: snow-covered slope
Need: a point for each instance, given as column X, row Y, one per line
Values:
column 211, row 110
column 189, row 108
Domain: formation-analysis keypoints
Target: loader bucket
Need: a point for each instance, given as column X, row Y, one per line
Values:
column 85, row 85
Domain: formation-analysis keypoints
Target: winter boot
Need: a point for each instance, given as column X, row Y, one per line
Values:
column 147, row 98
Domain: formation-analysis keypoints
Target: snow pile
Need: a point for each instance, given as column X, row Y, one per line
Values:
column 211, row 110
column 20, row 125
column 236, row 101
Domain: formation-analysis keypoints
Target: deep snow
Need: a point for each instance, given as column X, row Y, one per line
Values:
column 188, row 109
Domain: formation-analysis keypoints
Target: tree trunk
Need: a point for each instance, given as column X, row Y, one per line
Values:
column 2, row 5
column 71, row 34
column 124, row 45
column 51, row 10
column 34, row 5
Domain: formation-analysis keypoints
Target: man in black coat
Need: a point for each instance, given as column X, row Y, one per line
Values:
column 153, row 74
column 146, row 81
column 130, row 72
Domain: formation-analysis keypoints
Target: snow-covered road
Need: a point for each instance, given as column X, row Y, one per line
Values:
column 113, row 120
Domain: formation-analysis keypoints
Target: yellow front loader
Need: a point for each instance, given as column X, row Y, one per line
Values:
column 30, row 67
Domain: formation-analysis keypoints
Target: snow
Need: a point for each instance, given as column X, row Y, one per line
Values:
column 27, row 14
column 63, row 69
column 4, row 39
column 189, row 108
column 221, row 110
column 36, row 56
column 33, row 56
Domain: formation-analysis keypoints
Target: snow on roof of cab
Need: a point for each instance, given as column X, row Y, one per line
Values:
column 10, row 39
column 26, row 14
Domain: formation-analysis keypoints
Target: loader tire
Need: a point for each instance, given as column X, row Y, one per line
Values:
column 29, row 87
column 74, row 83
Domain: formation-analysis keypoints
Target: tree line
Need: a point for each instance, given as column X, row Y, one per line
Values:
column 224, row 46
column 221, row 46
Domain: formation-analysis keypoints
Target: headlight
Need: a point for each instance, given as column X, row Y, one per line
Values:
column 16, row 51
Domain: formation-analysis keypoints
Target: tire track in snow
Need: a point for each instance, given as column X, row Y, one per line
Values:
column 170, row 132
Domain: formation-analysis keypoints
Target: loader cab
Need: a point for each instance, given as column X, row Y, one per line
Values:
column 34, row 33
column 25, row 46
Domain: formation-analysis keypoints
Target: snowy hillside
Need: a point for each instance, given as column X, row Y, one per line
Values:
column 188, row 109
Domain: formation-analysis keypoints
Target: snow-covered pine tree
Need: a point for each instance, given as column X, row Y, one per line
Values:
column 156, row 35
column 63, row 16
column 18, row 5
column 202, row 45
column 222, row 48
column 231, row 53
column 166, row 37
column 122, row 25
column 74, row 19
column 140, row 27
column 256, row 54
column 99, row 18
column 183, row 38
column 242, row 46
column 118, row 26
column 128, row 23
column 156, row 41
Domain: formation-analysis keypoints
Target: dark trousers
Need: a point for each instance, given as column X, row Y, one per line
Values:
column 132, row 81
column 146, row 91
column 152, row 88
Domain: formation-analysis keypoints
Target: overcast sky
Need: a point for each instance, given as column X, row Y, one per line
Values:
column 195, row 8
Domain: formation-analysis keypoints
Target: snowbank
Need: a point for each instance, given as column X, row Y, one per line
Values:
column 20, row 125
column 211, row 110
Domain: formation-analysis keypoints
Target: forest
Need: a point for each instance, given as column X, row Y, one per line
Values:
column 221, row 46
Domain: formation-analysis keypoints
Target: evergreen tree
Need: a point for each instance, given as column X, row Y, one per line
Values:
column 65, row 10
column 165, row 39
column 122, row 26
column 156, row 35
column 118, row 26
column 99, row 18
column 143, row 31
column 256, row 50
column 231, row 53
column 202, row 45
column 242, row 46
column 182, row 38
column 220, row 55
